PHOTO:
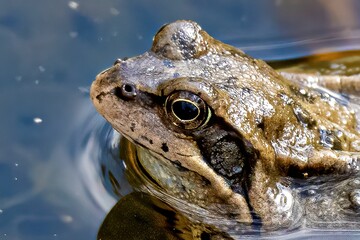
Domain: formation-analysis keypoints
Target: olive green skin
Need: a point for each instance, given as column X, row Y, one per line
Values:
column 275, row 129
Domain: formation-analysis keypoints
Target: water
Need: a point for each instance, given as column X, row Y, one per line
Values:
column 51, row 136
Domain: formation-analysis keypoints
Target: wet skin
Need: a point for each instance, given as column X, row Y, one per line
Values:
column 224, row 131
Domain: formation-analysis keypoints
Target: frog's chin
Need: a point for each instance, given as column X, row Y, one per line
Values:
column 152, row 166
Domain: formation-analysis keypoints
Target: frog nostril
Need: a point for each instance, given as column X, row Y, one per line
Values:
column 128, row 88
column 126, row 91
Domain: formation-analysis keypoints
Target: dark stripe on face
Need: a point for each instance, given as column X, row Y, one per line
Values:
column 230, row 157
column 226, row 153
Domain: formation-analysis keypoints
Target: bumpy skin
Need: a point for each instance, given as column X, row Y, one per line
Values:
column 262, row 129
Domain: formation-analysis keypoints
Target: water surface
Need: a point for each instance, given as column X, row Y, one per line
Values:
column 51, row 51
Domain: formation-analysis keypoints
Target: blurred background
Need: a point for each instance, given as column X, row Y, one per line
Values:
column 51, row 51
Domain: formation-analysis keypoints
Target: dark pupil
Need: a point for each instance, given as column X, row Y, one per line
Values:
column 185, row 110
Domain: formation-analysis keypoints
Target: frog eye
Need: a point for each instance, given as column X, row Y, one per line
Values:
column 187, row 110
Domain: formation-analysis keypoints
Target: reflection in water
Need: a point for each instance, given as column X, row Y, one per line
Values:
column 141, row 216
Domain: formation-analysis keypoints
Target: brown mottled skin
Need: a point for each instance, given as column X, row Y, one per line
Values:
column 271, row 127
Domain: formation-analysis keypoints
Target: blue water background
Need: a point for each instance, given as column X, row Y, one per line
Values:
column 51, row 51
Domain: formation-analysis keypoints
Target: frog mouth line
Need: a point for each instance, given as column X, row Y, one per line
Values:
column 256, row 222
column 137, row 143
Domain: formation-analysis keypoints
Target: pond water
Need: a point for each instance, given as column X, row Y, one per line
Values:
column 51, row 136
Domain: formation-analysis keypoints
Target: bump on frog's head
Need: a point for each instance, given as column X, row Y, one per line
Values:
column 180, row 40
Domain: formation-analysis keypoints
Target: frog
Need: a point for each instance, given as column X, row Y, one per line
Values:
column 222, row 131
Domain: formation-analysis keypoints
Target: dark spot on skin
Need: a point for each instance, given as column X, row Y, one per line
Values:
column 205, row 236
column 146, row 139
column 246, row 90
column 232, row 80
column 100, row 96
column 117, row 92
column 261, row 125
column 176, row 75
column 164, row 147
column 132, row 127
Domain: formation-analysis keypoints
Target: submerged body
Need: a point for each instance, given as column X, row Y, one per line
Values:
column 225, row 132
